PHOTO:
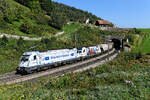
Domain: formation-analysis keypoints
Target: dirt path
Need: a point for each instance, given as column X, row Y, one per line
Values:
column 59, row 33
column 17, row 37
column 25, row 37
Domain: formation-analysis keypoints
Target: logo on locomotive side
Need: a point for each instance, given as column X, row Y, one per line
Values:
column 46, row 58
column 72, row 54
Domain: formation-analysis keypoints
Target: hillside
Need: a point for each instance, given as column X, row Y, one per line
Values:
column 126, row 77
column 123, row 78
column 21, row 20
column 38, row 18
column 74, row 14
column 12, row 49
column 143, row 43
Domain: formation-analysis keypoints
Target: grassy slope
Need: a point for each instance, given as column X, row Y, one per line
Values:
column 144, row 41
column 14, row 30
column 144, row 30
column 68, row 30
column 13, row 27
column 109, row 81
column 10, row 54
column 120, row 79
column 123, row 78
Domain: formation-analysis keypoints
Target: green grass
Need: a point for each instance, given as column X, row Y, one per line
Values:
column 11, row 52
column 13, row 29
column 71, row 28
column 144, row 30
column 126, row 77
column 16, row 15
column 123, row 78
column 143, row 44
column 68, row 30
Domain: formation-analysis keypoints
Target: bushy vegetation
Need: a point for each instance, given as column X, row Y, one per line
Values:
column 123, row 78
column 58, row 20
column 81, row 34
column 133, row 36
column 143, row 42
column 12, row 49
column 74, row 14
column 139, row 39
column 144, row 30
column 126, row 77
column 87, row 36
column 26, row 17
column 23, row 20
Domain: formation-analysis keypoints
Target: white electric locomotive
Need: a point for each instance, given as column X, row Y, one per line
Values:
column 34, row 61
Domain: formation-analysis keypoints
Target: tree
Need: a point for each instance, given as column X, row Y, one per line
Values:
column 26, row 27
column 20, row 42
column 58, row 20
column 4, row 41
column 47, row 5
column 111, row 25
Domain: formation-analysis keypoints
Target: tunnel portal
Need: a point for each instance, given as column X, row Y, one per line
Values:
column 117, row 44
column 118, row 41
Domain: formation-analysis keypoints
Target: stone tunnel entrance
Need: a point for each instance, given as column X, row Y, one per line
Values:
column 118, row 41
column 117, row 44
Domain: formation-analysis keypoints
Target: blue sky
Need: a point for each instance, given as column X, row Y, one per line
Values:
column 123, row 13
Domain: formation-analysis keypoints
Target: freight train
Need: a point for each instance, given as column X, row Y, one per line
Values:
column 36, row 61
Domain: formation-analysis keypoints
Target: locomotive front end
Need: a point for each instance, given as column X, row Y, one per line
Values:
column 28, row 62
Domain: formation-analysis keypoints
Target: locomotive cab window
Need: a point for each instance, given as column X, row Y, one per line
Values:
column 34, row 57
column 84, row 50
column 79, row 51
column 25, row 58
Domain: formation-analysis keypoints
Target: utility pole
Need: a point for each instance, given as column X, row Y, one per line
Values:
column 108, row 50
column 75, row 40
column 107, row 40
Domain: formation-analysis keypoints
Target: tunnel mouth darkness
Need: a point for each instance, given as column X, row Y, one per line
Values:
column 117, row 44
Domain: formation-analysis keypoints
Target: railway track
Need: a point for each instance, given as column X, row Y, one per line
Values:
column 13, row 78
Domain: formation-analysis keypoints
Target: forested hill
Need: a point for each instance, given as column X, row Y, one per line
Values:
column 75, row 14
column 59, row 12
column 38, row 17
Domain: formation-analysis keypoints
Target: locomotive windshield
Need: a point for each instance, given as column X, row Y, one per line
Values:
column 79, row 51
column 25, row 58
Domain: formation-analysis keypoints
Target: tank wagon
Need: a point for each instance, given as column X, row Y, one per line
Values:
column 36, row 61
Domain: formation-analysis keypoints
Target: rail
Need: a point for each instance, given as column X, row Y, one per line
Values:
column 13, row 78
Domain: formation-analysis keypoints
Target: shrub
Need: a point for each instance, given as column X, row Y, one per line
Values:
column 4, row 41
column 49, row 42
column 131, row 38
column 26, row 27
column 135, row 31
column 45, row 40
column 1, row 17
column 42, row 19
column 20, row 42
column 58, row 20
column 38, row 30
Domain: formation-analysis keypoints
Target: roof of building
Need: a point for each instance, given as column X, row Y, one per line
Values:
column 103, row 22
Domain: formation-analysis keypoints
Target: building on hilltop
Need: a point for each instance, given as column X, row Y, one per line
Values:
column 102, row 23
column 87, row 21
